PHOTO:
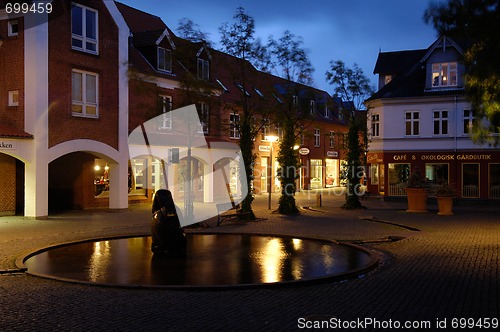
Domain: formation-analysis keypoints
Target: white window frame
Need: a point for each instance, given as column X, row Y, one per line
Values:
column 442, row 121
column 442, row 74
column 203, row 69
column 376, row 125
column 166, row 109
column 83, row 38
column 10, row 30
column 234, row 122
column 14, row 98
column 168, row 63
column 312, row 106
column 412, row 121
column 84, row 103
column 332, row 139
column 317, row 137
column 204, row 118
column 468, row 121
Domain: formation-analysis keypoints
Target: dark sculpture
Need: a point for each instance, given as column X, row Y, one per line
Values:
column 166, row 232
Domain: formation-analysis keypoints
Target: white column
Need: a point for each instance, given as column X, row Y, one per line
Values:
column 118, row 185
column 36, row 101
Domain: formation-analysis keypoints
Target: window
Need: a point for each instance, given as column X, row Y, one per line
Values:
column 164, row 59
column 14, row 98
column 317, row 137
column 376, row 125
column 84, row 29
column 470, row 180
column 295, row 102
column 328, row 113
column 468, row 121
column 204, row 118
column 203, row 69
column 12, row 28
column 440, row 122
column 387, row 79
column 302, row 136
column 437, row 173
column 412, row 123
column 166, row 108
column 278, row 99
column 234, row 122
column 332, row 139
column 85, row 87
column 266, row 129
column 312, row 107
column 494, row 180
column 444, row 74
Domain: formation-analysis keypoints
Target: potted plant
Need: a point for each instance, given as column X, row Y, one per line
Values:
column 444, row 195
column 416, row 192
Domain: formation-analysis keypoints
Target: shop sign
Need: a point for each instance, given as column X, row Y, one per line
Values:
column 441, row 157
column 7, row 145
column 304, row 151
column 264, row 148
column 332, row 154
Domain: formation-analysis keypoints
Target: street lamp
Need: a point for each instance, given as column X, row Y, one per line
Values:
column 271, row 139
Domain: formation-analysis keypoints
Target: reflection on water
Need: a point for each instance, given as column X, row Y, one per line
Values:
column 222, row 259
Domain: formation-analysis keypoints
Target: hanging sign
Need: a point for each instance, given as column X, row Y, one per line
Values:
column 304, row 151
column 332, row 154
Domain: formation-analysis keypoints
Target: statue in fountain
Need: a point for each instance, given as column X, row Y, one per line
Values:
column 166, row 231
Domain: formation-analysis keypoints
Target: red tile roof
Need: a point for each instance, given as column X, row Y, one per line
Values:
column 139, row 21
column 10, row 132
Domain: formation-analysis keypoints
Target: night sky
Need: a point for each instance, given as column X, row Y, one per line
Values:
column 352, row 31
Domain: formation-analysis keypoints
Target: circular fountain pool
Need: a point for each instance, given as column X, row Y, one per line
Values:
column 211, row 260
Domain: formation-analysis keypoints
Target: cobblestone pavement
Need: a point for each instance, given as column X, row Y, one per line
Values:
column 448, row 269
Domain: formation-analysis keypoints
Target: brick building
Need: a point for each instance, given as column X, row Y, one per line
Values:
column 83, row 77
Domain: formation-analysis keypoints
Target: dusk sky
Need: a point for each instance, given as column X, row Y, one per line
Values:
column 352, row 31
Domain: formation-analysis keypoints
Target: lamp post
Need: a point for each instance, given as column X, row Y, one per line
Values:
column 271, row 139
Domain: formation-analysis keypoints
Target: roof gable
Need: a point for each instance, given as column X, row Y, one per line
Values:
column 443, row 42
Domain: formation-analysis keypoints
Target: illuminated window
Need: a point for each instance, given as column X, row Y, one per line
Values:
column 317, row 137
column 468, row 121
column 85, row 87
column 13, row 98
column 166, row 109
column 444, row 74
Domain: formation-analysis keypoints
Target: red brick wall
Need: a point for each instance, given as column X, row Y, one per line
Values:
column 63, row 126
column 12, row 75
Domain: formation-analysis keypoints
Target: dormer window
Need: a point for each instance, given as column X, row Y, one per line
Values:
column 312, row 107
column 164, row 59
column 203, row 69
column 242, row 89
column 387, row 79
column 222, row 85
column 444, row 74
column 84, row 29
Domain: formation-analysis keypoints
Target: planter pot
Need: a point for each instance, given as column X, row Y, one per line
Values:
column 417, row 200
column 445, row 205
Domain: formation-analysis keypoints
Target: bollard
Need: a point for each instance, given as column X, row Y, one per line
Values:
column 318, row 200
